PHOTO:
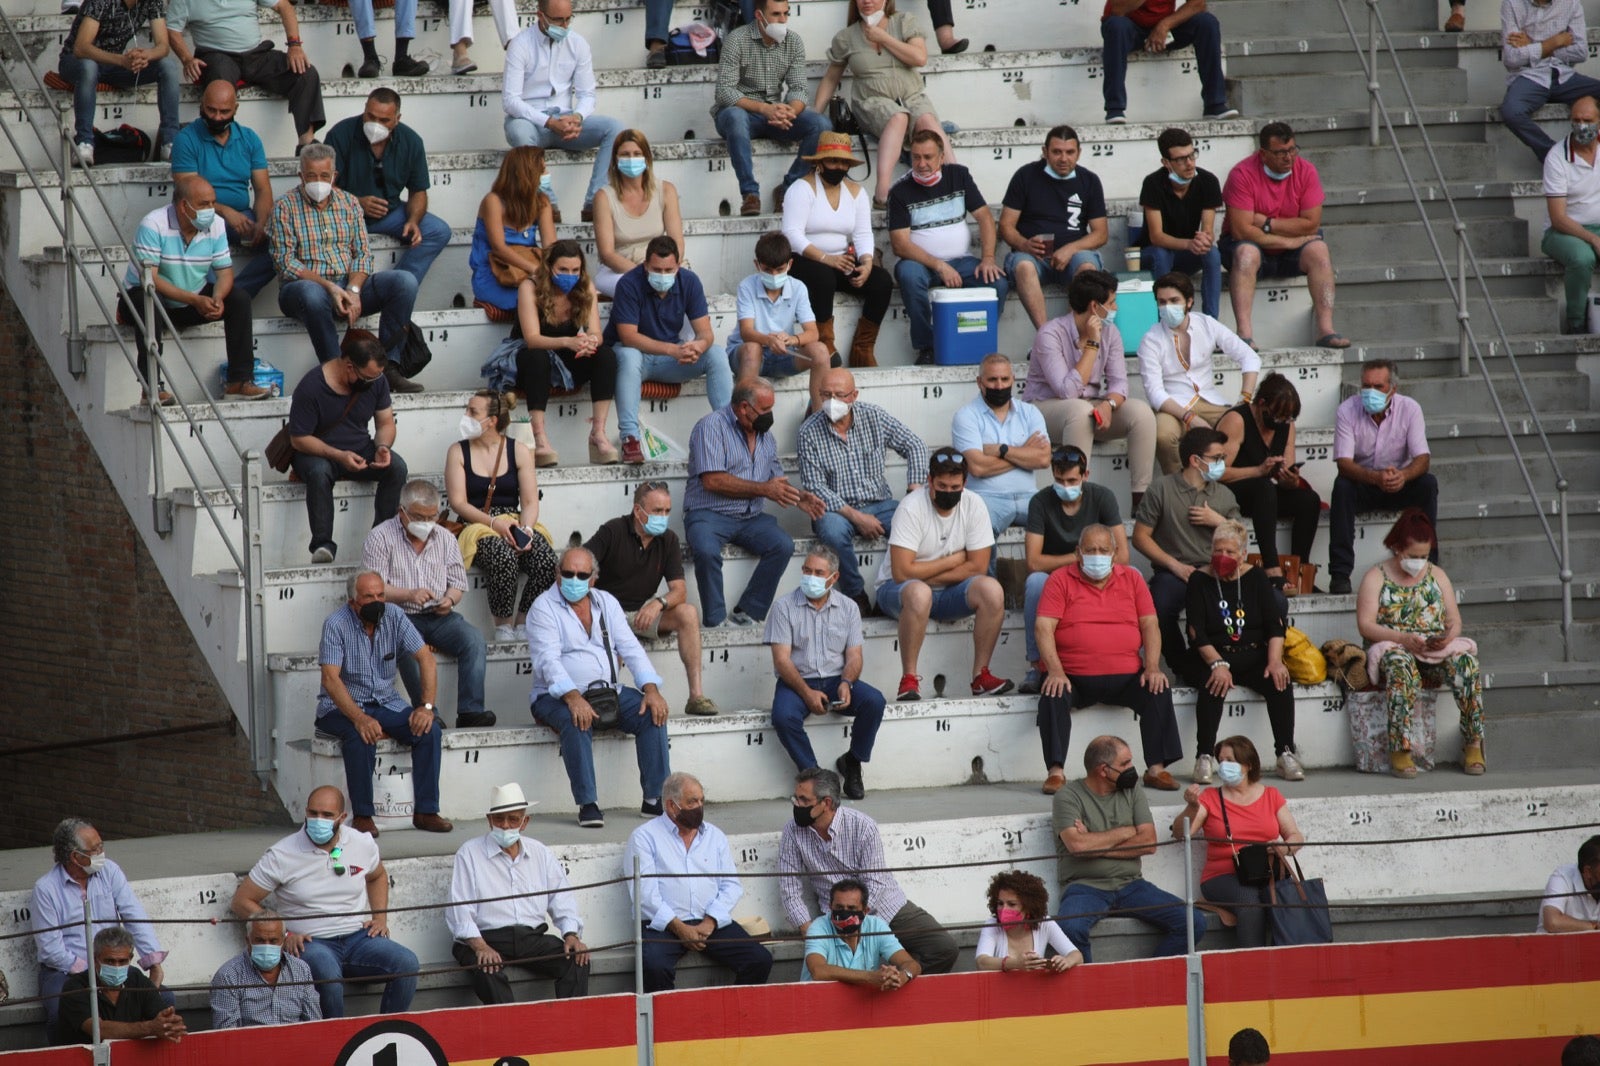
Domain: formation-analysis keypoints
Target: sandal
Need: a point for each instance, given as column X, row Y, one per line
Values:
column 1251, row 342
column 1472, row 759
column 1401, row 765
column 1332, row 340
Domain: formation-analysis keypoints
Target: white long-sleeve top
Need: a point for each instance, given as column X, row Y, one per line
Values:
column 808, row 218
column 544, row 78
column 483, row 869
column 1166, row 378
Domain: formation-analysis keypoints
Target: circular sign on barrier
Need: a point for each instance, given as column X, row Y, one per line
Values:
column 392, row 1043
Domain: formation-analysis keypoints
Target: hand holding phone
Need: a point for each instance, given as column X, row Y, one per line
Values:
column 521, row 538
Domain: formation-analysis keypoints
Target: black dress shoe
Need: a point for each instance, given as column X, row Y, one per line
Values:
column 407, row 67
column 475, row 720
column 849, row 768
column 957, row 48
column 1338, row 585
column 370, row 68
column 398, row 382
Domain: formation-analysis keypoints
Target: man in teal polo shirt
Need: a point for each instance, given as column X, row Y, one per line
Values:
column 378, row 158
column 848, row 944
column 231, row 158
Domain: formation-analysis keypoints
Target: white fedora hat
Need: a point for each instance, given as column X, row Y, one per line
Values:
column 507, row 798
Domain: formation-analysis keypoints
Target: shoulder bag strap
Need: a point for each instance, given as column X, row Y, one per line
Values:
column 1227, row 829
column 605, row 638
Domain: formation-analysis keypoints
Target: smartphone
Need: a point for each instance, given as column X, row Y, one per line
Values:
column 521, row 538
column 1295, row 469
column 834, row 705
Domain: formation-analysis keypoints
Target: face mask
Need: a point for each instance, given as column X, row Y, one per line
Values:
column 97, row 862
column 376, row 132
column 1176, row 179
column 1109, row 317
column 1413, row 566
column 360, row 384
column 372, row 614
column 835, row 409
column 1373, row 401
column 1172, row 315
column 1068, row 493
column 420, row 530
column 1277, row 175
column 813, row 587
column 1585, row 132
column 762, row 423
column 113, row 976
column 557, row 34
column 574, row 589
column 203, row 218
column 1214, row 469
column 930, row 179
column 545, row 185
column 1010, row 916
column 832, row 175
column 1095, row 567
column 873, row 19
column 564, row 283
column 774, row 282
column 217, row 125
column 470, row 428
column 1230, row 772
column 776, row 31
column 655, row 524
column 1127, row 779
column 506, row 838
column 690, row 819
column 1224, row 566
column 998, row 398
column 847, row 922
column 1056, row 174
column 946, row 501
column 804, row 816
column 320, row 830
column 318, row 191
column 266, row 956
column 632, row 166
column 663, row 282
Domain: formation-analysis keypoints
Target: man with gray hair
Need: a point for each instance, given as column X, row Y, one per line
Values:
column 576, row 635
column 825, row 842
column 130, row 1005
column 361, row 643
column 816, row 641
column 84, row 877
column 423, row 575
column 262, row 985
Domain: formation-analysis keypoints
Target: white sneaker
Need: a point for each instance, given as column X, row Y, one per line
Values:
column 85, row 154
column 1204, row 767
column 70, row 7
column 1289, row 767
column 322, row 556
column 166, row 152
column 507, row 632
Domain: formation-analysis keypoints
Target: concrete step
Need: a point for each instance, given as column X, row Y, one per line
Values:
column 1265, row 17
column 1395, row 241
column 1361, row 165
column 1434, row 318
column 1461, row 476
column 1335, row 89
column 1550, row 391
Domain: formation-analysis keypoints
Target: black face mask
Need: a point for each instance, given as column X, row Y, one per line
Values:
column 217, row 125
column 1127, row 779
column 804, row 816
column 946, row 501
column 997, row 398
column 371, row 613
column 832, row 175
column 690, row 818
column 847, row 922
column 762, row 423
column 361, row 384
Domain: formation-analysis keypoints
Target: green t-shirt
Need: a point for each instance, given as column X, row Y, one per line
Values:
column 1165, row 509
column 1076, row 802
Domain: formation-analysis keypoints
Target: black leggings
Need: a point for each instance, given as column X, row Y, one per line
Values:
column 822, row 281
column 1264, row 501
column 1246, row 666
column 599, row 372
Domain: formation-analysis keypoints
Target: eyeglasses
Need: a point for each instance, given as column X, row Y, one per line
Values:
column 1067, row 455
column 1290, row 150
column 1189, row 158
column 581, row 575
column 954, row 458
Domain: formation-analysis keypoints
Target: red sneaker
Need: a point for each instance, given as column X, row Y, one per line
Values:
column 986, row 684
column 909, row 689
column 632, row 451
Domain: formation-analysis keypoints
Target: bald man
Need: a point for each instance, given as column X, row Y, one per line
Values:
column 231, row 158
column 842, row 450
column 177, row 246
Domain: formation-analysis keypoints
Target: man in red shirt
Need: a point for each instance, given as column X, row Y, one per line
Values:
column 1111, row 653
column 1130, row 24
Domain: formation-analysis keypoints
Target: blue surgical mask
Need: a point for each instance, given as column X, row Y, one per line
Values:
column 564, row 282
column 1373, row 401
column 204, row 218
column 113, row 976
column 266, row 956
column 774, row 282
column 557, row 34
column 813, row 587
column 546, row 186
column 1277, row 175
column 574, row 589
column 506, row 838
column 1172, row 315
column 1177, row 179
column 1069, row 493
column 655, row 524
column 1095, row 567
column 632, row 166
column 1230, row 772
column 1214, row 469
column 1109, row 317
column 662, row 282
column 1054, row 173
column 320, row 830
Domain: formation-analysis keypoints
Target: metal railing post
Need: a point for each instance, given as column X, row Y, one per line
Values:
column 94, row 975
column 1194, row 975
column 262, row 716
column 160, row 502
column 644, row 1005
column 1565, row 571
column 1463, row 339
column 638, row 933
column 1372, row 72
column 75, row 360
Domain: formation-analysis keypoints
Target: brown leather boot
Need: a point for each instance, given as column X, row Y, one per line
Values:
column 861, row 348
column 825, row 335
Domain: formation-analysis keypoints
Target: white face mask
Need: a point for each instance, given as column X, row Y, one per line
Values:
column 873, row 19
column 1413, row 566
column 420, row 530
column 376, row 132
column 318, row 190
column 835, row 409
column 775, row 31
column 470, row 428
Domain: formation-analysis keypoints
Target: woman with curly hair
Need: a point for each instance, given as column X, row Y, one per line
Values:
column 1022, row 928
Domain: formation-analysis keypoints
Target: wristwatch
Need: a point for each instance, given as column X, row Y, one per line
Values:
column 1113, row 404
column 1266, row 227
column 1003, row 449
column 662, row 600
column 428, row 707
column 355, row 290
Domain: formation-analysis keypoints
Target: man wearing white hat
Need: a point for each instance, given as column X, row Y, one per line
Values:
column 527, row 891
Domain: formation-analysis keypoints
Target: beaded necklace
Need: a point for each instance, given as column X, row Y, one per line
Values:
column 1232, row 622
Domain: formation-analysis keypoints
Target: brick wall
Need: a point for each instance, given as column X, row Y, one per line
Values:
column 92, row 644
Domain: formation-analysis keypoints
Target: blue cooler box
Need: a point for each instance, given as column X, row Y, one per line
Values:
column 1136, row 309
column 966, row 325
column 266, row 376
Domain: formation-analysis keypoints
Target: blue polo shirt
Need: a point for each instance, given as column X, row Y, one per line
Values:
column 874, row 947
column 658, row 316
column 789, row 313
column 975, row 425
column 226, row 166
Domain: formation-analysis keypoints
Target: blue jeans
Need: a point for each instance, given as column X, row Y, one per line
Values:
column 707, row 531
column 252, row 268
column 390, row 294
column 360, row 757
column 1121, row 35
column 405, row 19
column 739, row 127
column 1006, row 509
column 599, row 132
column 359, row 955
column 577, row 745
column 1524, row 96
column 1032, row 593
column 85, row 76
column 949, row 603
column 454, row 635
column 1165, row 261
column 416, row 259
column 915, row 281
column 319, row 474
column 634, row 368
column 835, row 530
column 1082, row 907
column 789, row 718
column 1049, row 275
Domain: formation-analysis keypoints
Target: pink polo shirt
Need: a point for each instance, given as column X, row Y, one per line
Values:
column 1249, row 189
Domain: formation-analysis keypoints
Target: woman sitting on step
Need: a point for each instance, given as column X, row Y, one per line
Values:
column 514, row 220
column 633, row 208
column 1406, row 611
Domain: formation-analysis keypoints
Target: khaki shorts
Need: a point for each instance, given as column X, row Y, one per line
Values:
column 650, row 632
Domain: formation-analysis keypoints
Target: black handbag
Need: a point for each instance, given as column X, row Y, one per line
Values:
column 1252, row 864
column 415, row 355
column 1299, row 908
column 843, row 119
column 601, row 697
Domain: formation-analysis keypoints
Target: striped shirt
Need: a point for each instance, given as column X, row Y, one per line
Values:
column 366, row 664
column 751, row 68
column 818, row 639
column 159, row 243
column 718, row 445
column 534, row 879
column 848, row 471
column 330, row 240
column 808, row 861
column 241, row 997
column 437, row 567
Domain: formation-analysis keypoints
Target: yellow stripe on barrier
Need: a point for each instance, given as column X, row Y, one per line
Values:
column 625, row 1055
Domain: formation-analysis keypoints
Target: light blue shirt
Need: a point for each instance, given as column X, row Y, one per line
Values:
column 976, row 425
column 223, row 25
column 874, row 947
column 789, row 313
column 701, row 885
column 566, row 656
column 57, row 900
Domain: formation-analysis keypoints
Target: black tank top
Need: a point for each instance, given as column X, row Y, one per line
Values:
column 1253, row 449
column 507, row 494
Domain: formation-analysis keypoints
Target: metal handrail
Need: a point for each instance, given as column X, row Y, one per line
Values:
column 246, row 551
column 1466, row 257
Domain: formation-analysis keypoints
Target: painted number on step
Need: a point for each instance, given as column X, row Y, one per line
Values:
column 1217, row 378
column 712, row 653
column 112, row 112
column 21, row 916
column 208, row 895
column 478, row 100
column 658, row 407
column 914, row 843
column 932, row 392
column 1537, row 809
column 344, row 29
column 1102, row 151
column 614, row 18
column 749, row 855
column 1002, row 153
column 479, row 582
column 1011, row 838
column 863, row 560
column 471, row 758
column 1277, row 296
column 755, row 740
column 524, row 669
column 1187, row 65
column 652, row 92
column 977, row 5
column 1235, row 710
column 1446, row 814
column 1013, row 77
column 344, row 506
column 1316, row 453
column 1308, row 373
column 566, row 410
column 847, row 731
column 1092, row 71
column 941, row 725
column 1332, row 705
column 716, row 166
column 286, row 592
column 156, row 192
column 1359, row 817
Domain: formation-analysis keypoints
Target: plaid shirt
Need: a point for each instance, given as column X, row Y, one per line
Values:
column 330, row 240
column 366, row 664
column 241, row 997
column 806, row 859
column 848, row 472
column 437, row 567
column 751, row 68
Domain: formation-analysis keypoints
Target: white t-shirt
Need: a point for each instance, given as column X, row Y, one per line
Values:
column 301, row 876
column 931, row 535
column 1566, row 879
column 992, row 940
column 1567, row 174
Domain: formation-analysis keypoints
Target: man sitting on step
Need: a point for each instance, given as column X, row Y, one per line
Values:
column 1572, row 895
column 776, row 335
column 1004, row 440
column 230, row 156
column 1128, row 25
column 1054, row 218
column 1572, row 198
column 1540, row 43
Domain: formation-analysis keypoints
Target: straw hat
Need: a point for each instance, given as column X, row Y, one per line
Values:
column 507, row 798
column 834, row 146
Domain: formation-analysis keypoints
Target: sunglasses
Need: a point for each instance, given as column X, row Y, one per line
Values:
column 1067, row 455
column 581, row 575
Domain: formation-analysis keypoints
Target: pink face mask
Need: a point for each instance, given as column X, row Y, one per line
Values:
column 1010, row 916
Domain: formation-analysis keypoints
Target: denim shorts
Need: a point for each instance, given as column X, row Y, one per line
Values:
column 949, row 603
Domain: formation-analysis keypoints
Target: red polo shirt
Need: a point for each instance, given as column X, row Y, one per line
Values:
column 1147, row 14
column 1098, row 631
